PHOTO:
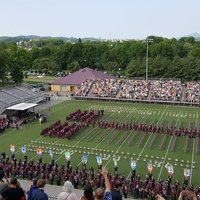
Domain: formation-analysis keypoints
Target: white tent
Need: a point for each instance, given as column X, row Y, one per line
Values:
column 22, row 106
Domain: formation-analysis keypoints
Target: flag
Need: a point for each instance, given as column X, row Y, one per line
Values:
column 67, row 156
column 84, row 158
column 39, row 151
column 150, row 167
column 23, row 149
column 187, row 172
column 51, row 153
column 12, row 148
column 99, row 160
column 170, row 170
column 115, row 161
column 133, row 165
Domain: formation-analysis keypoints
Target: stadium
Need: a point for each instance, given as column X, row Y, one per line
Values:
column 135, row 128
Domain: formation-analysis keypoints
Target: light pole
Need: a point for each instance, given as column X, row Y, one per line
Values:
column 148, row 40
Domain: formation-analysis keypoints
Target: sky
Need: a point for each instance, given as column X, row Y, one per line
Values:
column 106, row 19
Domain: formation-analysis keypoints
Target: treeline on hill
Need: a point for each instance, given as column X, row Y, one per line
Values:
column 168, row 58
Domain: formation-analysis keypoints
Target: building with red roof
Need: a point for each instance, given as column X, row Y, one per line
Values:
column 71, row 82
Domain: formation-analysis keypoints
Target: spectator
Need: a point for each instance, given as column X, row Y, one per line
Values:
column 3, row 185
column 116, row 191
column 99, row 194
column 39, row 194
column 13, row 192
column 88, row 193
column 67, row 193
column 187, row 194
column 32, row 188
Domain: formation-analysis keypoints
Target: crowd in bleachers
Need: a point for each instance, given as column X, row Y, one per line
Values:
column 105, row 88
column 166, row 90
column 192, row 92
column 132, row 186
column 4, row 123
column 141, row 90
column 134, row 89
column 85, row 87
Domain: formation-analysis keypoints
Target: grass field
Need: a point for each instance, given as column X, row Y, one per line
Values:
column 109, row 143
column 44, row 80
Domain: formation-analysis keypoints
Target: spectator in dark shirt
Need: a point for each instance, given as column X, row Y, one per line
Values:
column 3, row 185
column 116, row 191
column 32, row 188
column 14, row 192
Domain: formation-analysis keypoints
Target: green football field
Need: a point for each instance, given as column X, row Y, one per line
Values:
column 109, row 143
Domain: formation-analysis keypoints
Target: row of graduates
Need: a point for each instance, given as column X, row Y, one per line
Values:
column 84, row 116
column 149, row 128
column 60, row 130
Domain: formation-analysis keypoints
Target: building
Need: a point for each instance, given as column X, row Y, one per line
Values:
column 70, row 83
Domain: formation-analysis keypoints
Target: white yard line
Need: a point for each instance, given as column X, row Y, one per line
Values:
column 107, row 135
column 120, row 145
column 123, row 143
column 92, row 130
column 103, row 140
column 147, row 141
column 192, row 160
column 168, row 149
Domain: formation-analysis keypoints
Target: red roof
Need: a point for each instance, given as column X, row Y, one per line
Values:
column 78, row 77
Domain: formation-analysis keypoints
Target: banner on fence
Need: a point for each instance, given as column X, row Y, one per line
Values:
column 99, row 160
column 170, row 170
column 51, row 153
column 39, row 151
column 23, row 149
column 150, row 167
column 186, row 172
column 84, row 158
column 67, row 156
column 12, row 148
column 133, row 165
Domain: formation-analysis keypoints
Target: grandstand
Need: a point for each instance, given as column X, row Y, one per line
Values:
column 175, row 92
column 19, row 94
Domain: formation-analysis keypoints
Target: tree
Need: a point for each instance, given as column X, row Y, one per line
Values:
column 136, row 68
column 16, row 73
column 3, row 65
column 73, row 66
column 44, row 63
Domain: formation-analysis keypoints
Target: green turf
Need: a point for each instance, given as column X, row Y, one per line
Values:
column 108, row 143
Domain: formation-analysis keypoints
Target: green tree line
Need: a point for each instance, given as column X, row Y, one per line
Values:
column 168, row 58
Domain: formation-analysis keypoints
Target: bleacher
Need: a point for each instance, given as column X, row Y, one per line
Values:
column 19, row 94
column 175, row 92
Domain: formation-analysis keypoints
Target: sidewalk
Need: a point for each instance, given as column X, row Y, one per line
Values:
column 53, row 190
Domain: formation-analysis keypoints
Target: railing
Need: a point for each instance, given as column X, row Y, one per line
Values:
column 52, row 198
column 138, row 100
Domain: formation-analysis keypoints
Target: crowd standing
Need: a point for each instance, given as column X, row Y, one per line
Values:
column 115, row 185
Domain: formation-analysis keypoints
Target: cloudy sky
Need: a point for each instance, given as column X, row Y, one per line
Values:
column 109, row 19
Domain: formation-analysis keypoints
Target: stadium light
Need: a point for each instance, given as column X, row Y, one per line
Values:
column 148, row 40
